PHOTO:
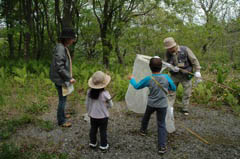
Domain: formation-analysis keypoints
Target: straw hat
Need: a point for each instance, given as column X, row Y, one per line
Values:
column 99, row 80
column 169, row 42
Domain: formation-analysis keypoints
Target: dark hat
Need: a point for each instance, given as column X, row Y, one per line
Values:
column 68, row 33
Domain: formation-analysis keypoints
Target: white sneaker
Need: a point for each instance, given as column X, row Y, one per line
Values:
column 93, row 145
column 104, row 148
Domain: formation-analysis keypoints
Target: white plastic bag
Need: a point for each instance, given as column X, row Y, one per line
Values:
column 170, row 125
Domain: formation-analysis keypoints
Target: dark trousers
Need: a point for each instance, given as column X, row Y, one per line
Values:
column 161, row 115
column 61, row 106
column 102, row 125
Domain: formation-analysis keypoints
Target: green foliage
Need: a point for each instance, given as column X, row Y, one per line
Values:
column 20, row 75
column 180, row 92
column 231, row 100
column 48, row 155
column 2, row 100
column 2, row 73
column 10, row 151
column 36, row 108
column 119, row 87
column 222, row 73
column 202, row 94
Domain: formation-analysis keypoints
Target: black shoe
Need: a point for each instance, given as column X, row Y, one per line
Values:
column 162, row 150
column 143, row 132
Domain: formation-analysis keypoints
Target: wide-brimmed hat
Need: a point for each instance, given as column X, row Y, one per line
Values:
column 99, row 80
column 68, row 33
column 169, row 42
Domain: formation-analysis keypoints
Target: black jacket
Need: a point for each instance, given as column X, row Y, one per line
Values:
column 60, row 67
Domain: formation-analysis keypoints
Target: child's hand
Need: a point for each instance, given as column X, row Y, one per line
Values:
column 130, row 77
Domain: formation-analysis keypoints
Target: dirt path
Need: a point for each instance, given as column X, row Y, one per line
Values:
column 220, row 129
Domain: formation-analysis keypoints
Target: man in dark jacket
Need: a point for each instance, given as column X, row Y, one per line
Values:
column 61, row 71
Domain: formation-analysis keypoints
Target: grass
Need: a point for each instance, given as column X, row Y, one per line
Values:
column 9, row 126
column 12, row 151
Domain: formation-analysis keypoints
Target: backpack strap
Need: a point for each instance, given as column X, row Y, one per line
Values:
column 159, row 85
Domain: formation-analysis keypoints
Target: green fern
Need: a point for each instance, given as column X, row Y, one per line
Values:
column 20, row 75
column 202, row 94
column 231, row 100
column 2, row 73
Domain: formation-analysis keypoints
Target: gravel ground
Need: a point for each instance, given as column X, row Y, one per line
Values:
column 219, row 128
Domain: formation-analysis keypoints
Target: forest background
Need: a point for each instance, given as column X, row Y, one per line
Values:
column 109, row 35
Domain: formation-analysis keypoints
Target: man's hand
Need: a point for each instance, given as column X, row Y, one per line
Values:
column 197, row 74
column 168, row 64
column 175, row 69
column 72, row 80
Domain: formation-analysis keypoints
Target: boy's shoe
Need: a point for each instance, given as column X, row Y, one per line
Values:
column 93, row 145
column 67, row 116
column 162, row 150
column 143, row 132
column 66, row 124
column 104, row 148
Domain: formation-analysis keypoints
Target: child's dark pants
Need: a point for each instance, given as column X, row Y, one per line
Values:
column 102, row 125
column 161, row 115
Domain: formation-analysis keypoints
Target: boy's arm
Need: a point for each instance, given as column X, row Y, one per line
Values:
column 172, row 86
column 141, row 84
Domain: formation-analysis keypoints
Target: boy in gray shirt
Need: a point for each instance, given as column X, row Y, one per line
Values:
column 158, row 85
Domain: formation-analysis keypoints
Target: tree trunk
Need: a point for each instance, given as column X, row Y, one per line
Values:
column 58, row 19
column 28, row 15
column 11, row 45
column 118, row 52
column 106, row 47
column 27, row 39
column 20, row 44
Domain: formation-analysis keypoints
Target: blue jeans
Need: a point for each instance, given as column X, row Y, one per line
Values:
column 161, row 115
column 61, row 106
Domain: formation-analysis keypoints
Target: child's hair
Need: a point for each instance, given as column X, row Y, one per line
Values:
column 155, row 64
column 94, row 93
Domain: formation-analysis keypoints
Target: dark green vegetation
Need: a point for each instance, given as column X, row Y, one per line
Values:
column 110, row 34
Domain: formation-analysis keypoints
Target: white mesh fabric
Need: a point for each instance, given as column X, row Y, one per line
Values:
column 137, row 99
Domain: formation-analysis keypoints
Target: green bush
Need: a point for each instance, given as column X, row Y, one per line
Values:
column 119, row 87
column 230, row 99
column 202, row 94
column 179, row 92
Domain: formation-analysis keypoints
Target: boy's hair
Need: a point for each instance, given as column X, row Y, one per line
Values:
column 155, row 64
column 94, row 93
